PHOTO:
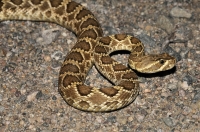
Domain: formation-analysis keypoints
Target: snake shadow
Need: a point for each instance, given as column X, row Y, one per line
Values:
column 157, row 74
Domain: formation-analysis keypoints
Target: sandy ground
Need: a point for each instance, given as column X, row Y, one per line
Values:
column 31, row 54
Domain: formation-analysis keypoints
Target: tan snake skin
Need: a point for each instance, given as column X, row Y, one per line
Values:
column 91, row 48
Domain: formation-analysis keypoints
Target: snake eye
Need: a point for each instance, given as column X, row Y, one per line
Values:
column 162, row 61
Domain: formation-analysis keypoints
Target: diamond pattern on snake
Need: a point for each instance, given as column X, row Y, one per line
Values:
column 91, row 48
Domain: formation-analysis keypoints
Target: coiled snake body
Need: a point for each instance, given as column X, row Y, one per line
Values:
column 91, row 48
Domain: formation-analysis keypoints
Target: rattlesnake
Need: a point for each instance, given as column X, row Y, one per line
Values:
column 91, row 48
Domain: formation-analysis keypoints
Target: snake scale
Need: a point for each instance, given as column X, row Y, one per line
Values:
column 90, row 49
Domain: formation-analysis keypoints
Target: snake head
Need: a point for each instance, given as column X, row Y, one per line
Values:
column 152, row 63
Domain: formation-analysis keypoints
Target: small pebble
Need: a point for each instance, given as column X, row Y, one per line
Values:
column 147, row 90
column 168, row 121
column 31, row 96
column 183, row 85
column 1, row 108
column 121, row 120
column 140, row 118
column 186, row 110
column 182, row 93
column 130, row 118
column 47, row 58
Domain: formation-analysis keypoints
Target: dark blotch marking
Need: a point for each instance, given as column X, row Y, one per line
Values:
column 88, row 22
column 128, row 85
column 107, row 60
column 109, row 91
column 99, row 31
column 10, row 7
column 68, row 79
column 26, row 5
column 84, row 104
column 89, row 33
column 83, row 45
column 36, row 2
column 120, row 67
column 44, row 6
column 84, row 90
column 131, row 75
column 134, row 40
column 34, row 10
column 87, row 56
column 69, row 67
column 139, row 48
column 70, row 101
column 55, row 3
column 100, row 49
column 60, row 10
column 105, row 40
column 120, row 36
column 76, row 56
column 71, row 6
column 48, row 13
column 1, row 5
column 17, row 2
column 77, row 24
column 83, row 13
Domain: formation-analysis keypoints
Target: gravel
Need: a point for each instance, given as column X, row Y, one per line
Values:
column 31, row 54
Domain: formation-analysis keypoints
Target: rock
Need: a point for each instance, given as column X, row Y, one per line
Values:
column 165, row 24
column 179, row 12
